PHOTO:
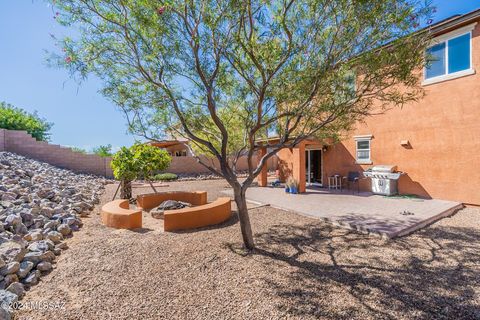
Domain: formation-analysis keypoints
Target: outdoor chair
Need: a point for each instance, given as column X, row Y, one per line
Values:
column 353, row 178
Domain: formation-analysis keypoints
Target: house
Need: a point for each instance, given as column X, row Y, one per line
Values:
column 175, row 147
column 184, row 162
column 435, row 141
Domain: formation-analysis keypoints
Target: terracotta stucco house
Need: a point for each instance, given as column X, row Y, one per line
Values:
column 175, row 147
column 435, row 141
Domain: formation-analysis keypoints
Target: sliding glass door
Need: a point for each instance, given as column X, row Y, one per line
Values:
column 314, row 167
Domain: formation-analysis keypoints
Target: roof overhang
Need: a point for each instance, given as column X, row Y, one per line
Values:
column 167, row 143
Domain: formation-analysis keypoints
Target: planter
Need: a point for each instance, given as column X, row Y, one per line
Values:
column 293, row 190
column 287, row 189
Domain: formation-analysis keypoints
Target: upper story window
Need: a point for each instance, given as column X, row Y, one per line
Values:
column 363, row 149
column 450, row 57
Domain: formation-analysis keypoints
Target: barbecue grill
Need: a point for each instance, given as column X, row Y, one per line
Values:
column 384, row 179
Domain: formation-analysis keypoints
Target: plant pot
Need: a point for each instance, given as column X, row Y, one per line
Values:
column 287, row 189
column 293, row 190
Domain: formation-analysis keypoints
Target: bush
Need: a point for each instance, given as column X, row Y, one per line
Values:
column 140, row 160
column 80, row 150
column 103, row 151
column 165, row 177
column 13, row 118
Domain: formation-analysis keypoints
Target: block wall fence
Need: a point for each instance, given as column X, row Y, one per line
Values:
column 22, row 143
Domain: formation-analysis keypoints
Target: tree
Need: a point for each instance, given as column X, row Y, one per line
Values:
column 103, row 151
column 140, row 160
column 304, row 69
column 13, row 118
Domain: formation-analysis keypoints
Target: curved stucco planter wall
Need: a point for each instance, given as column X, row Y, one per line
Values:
column 117, row 214
column 203, row 214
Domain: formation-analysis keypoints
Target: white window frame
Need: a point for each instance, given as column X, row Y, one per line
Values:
column 444, row 39
column 361, row 139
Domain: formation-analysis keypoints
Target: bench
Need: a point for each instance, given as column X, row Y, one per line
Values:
column 202, row 214
column 117, row 214
column 205, row 215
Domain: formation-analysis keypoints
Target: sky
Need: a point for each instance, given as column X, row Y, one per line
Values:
column 82, row 117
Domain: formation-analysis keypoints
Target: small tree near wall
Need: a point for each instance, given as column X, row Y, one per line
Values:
column 140, row 160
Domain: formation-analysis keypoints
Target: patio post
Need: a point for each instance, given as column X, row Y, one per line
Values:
column 299, row 166
column 262, row 177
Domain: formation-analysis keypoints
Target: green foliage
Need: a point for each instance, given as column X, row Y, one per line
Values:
column 140, row 160
column 13, row 118
column 103, row 151
column 197, row 69
column 165, row 177
column 80, row 150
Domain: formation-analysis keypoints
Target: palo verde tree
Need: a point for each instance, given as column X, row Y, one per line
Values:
column 138, row 161
column 225, row 73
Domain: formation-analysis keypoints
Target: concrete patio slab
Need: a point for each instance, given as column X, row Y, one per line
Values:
column 386, row 216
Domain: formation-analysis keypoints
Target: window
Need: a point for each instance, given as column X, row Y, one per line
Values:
column 363, row 151
column 181, row 153
column 450, row 57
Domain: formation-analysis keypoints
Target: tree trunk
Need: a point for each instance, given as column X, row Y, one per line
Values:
column 245, row 226
column 126, row 189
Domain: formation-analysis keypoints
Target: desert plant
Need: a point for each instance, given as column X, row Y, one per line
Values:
column 13, row 118
column 165, row 177
column 140, row 160
column 103, row 151
column 79, row 150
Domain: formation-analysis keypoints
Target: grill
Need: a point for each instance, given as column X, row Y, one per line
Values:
column 384, row 179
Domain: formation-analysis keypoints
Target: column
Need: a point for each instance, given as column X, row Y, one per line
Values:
column 299, row 166
column 262, row 177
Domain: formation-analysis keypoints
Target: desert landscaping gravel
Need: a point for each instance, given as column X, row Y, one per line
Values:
column 302, row 269
column 40, row 206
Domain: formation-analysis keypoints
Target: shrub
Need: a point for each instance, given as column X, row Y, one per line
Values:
column 103, row 151
column 13, row 118
column 80, row 150
column 140, row 160
column 165, row 177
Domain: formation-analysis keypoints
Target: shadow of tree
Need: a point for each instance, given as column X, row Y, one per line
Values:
column 326, row 272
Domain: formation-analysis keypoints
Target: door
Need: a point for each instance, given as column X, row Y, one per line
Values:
column 313, row 167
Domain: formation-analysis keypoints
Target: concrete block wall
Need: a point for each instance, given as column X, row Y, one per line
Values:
column 2, row 139
column 20, row 142
column 190, row 165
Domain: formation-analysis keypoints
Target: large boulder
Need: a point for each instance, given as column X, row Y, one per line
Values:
column 12, row 251
column 173, row 205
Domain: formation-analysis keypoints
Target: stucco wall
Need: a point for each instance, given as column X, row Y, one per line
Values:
column 443, row 129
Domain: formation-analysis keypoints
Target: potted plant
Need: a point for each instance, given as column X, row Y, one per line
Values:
column 294, row 186
column 291, row 186
column 288, row 184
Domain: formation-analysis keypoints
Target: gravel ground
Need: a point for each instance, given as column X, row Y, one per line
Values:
column 302, row 269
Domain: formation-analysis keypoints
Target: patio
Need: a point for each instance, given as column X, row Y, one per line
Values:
column 386, row 216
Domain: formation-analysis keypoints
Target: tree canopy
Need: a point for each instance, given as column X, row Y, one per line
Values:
column 225, row 73
column 13, row 118
column 103, row 150
column 140, row 160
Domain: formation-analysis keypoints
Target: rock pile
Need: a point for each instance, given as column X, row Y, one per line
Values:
column 40, row 205
column 157, row 212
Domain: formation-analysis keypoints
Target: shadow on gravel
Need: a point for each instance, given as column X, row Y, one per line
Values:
column 340, row 274
column 142, row 230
